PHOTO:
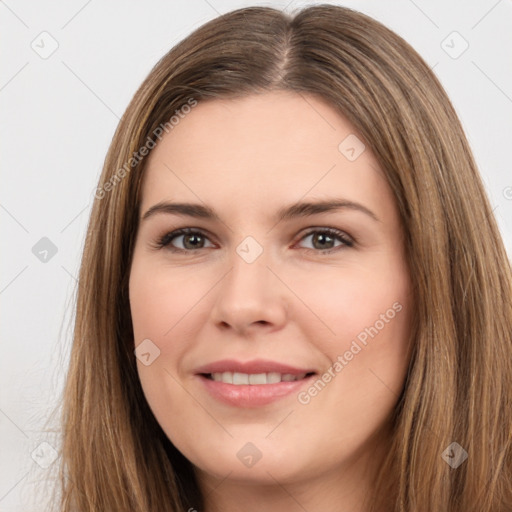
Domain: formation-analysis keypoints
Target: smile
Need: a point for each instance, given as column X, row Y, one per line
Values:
column 253, row 383
column 251, row 379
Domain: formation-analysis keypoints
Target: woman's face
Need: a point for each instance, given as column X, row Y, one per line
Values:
column 273, row 337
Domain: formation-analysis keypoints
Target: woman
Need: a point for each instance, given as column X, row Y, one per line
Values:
column 294, row 293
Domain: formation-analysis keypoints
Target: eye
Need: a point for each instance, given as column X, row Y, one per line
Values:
column 324, row 239
column 190, row 239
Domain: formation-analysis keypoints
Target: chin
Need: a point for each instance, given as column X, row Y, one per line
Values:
column 260, row 462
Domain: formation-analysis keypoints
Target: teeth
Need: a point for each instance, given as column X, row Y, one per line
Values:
column 226, row 377
column 254, row 378
column 240, row 378
column 273, row 378
column 258, row 378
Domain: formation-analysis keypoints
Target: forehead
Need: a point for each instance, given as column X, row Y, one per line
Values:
column 276, row 147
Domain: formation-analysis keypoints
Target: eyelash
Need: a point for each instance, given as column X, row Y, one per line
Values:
column 165, row 240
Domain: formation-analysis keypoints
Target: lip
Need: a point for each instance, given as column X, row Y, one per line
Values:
column 254, row 366
column 251, row 395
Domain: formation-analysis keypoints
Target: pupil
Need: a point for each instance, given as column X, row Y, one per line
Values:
column 193, row 245
column 322, row 237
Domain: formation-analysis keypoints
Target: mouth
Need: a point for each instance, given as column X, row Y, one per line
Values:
column 254, row 379
column 252, row 384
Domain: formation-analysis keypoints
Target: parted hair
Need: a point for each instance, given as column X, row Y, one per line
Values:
column 114, row 455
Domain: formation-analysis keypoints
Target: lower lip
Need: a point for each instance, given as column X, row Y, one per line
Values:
column 251, row 395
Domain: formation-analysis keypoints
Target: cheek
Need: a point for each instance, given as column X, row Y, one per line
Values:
column 159, row 314
column 340, row 305
column 363, row 327
column 161, row 298
column 162, row 307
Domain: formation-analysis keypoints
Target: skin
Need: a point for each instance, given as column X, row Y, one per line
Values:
column 247, row 158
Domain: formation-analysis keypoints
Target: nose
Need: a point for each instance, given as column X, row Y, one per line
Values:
column 250, row 297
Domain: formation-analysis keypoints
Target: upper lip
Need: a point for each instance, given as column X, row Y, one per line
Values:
column 251, row 367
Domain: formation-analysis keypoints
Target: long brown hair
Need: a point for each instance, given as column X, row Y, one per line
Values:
column 115, row 456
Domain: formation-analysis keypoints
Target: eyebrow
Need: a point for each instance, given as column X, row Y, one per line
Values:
column 300, row 209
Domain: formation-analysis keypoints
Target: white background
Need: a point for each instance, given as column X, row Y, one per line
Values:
column 58, row 118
